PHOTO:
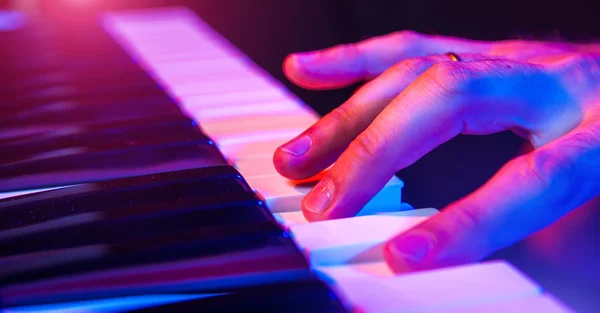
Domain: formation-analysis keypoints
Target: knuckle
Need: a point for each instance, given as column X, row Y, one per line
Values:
column 576, row 62
column 558, row 167
column 579, row 73
column 343, row 51
column 449, row 72
column 561, row 177
column 460, row 219
column 578, row 59
column 569, row 170
column 526, row 49
column 473, row 219
column 541, row 166
column 406, row 36
column 580, row 153
column 368, row 145
column 444, row 78
column 411, row 66
column 468, row 217
column 350, row 50
column 343, row 114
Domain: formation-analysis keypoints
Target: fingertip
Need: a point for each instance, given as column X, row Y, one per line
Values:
column 311, row 216
column 293, row 159
column 411, row 251
column 397, row 264
column 311, row 210
column 296, row 68
column 317, row 70
column 290, row 66
column 288, row 165
column 318, row 204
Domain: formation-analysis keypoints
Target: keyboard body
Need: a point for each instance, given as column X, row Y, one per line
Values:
column 190, row 112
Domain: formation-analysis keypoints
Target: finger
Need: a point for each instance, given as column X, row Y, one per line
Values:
column 343, row 65
column 450, row 98
column 320, row 145
column 526, row 195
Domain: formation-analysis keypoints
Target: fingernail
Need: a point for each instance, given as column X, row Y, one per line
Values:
column 298, row 146
column 412, row 247
column 305, row 57
column 319, row 198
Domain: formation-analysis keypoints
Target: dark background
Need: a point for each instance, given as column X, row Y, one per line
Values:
column 563, row 258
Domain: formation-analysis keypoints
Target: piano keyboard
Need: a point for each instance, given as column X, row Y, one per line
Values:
column 148, row 185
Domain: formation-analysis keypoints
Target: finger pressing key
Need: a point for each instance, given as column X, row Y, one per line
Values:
column 320, row 145
column 528, row 194
column 475, row 97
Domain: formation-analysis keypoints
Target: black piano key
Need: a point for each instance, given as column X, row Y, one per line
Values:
column 142, row 137
column 131, row 191
column 74, row 167
column 23, row 85
column 140, row 221
column 127, row 252
column 62, row 95
column 211, row 260
column 85, row 129
column 295, row 297
column 23, row 66
column 20, row 84
column 18, row 102
column 113, row 139
column 54, row 115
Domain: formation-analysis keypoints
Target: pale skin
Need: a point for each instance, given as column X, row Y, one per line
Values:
column 417, row 98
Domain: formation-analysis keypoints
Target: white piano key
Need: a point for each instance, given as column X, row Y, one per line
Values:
column 233, row 98
column 257, row 167
column 351, row 240
column 282, row 135
column 176, row 52
column 201, row 47
column 204, row 83
column 289, row 219
column 186, row 41
column 249, row 110
column 260, row 146
column 284, row 195
column 179, row 56
column 455, row 288
column 152, row 27
column 201, row 67
column 268, row 122
column 534, row 304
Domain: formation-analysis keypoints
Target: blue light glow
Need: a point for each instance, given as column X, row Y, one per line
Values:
column 109, row 305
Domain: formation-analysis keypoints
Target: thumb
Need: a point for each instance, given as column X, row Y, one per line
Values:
column 526, row 195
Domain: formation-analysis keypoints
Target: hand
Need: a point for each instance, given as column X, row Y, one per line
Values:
column 418, row 98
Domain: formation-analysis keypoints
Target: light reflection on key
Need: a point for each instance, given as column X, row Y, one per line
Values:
column 241, row 98
column 240, row 82
column 10, row 194
column 267, row 121
column 241, row 110
column 259, row 137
